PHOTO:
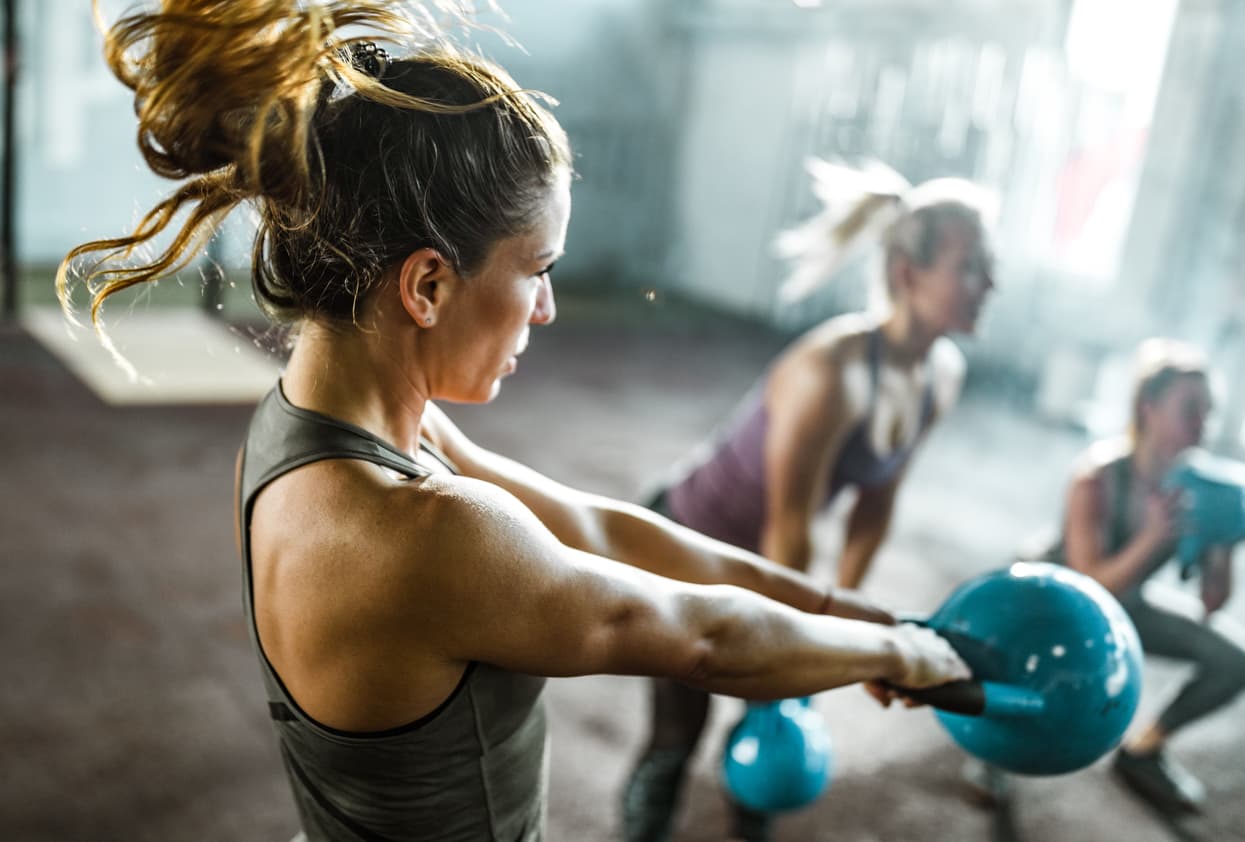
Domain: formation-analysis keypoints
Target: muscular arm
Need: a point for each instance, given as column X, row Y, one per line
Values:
column 505, row 591
column 808, row 420
column 627, row 533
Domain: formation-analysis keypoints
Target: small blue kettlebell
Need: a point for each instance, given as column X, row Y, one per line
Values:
column 777, row 757
column 1214, row 514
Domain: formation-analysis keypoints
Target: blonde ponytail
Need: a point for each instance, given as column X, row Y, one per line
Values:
column 856, row 204
column 875, row 206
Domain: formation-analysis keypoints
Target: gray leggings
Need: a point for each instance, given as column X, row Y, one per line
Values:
column 1220, row 662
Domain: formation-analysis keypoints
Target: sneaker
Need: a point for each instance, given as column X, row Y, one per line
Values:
column 1160, row 780
column 986, row 784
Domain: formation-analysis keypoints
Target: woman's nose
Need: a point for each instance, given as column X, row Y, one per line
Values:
column 545, row 310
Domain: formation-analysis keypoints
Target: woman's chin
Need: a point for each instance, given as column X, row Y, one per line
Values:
column 968, row 326
column 485, row 393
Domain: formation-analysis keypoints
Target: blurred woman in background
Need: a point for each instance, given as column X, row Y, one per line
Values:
column 845, row 406
column 1121, row 524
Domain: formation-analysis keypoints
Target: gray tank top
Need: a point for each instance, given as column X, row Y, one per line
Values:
column 473, row 769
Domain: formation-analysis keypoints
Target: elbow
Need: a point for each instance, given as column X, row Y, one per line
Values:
column 721, row 655
column 699, row 666
column 704, row 655
column 709, row 667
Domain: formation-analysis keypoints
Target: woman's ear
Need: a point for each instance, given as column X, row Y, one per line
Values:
column 1146, row 408
column 899, row 274
column 425, row 282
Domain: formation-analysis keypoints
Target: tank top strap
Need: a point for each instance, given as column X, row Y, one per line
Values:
column 1117, row 490
column 873, row 353
column 929, row 403
column 284, row 437
column 439, row 455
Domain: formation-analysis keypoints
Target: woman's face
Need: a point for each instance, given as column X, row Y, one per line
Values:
column 1176, row 418
column 487, row 326
column 947, row 296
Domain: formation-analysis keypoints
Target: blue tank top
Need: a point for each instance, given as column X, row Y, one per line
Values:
column 722, row 493
column 473, row 769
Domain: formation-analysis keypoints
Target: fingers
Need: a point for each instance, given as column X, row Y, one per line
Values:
column 928, row 659
column 1165, row 510
column 1173, row 498
column 884, row 694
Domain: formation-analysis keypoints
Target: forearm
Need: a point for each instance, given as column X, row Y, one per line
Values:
column 866, row 529
column 778, row 653
column 644, row 539
column 792, row 542
column 1216, row 578
column 786, row 541
column 1117, row 573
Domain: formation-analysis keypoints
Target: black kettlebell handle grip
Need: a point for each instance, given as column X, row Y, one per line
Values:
column 967, row 698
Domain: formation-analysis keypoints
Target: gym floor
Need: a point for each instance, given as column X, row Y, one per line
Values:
column 132, row 706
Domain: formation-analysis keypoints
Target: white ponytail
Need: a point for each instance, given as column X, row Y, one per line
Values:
column 857, row 204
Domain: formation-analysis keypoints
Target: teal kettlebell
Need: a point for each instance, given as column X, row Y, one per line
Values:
column 1214, row 506
column 1056, row 669
column 777, row 757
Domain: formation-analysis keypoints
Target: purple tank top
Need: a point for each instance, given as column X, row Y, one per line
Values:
column 723, row 494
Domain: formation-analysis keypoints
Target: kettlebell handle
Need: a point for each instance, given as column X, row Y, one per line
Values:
column 979, row 698
column 972, row 697
column 967, row 698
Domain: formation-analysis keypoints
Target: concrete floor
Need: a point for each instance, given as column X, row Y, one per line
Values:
column 132, row 708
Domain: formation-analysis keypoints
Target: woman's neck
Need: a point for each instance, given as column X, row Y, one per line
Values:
column 907, row 342
column 351, row 374
column 1151, row 462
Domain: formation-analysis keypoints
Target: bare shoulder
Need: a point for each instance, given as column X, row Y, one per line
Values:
column 338, row 518
column 828, row 358
column 459, row 516
column 357, row 577
column 839, row 339
column 351, row 524
column 1089, row 481
column 1093, row 463
column 432, row 534
column 357, row 548
column 832, row 346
